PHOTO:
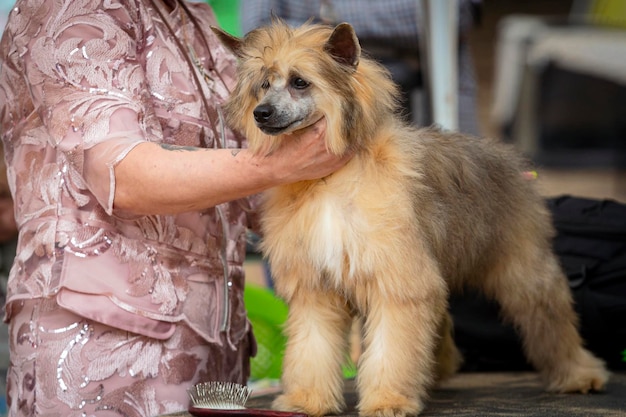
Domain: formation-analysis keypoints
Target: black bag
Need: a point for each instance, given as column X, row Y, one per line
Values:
column 591, row 246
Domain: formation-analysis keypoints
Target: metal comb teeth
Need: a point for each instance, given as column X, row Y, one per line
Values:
column 219, row 395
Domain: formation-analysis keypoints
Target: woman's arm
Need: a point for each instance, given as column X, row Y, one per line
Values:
column 157, row 179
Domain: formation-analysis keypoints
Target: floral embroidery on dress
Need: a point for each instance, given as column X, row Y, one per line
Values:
column 80, row 79
column 81, row 84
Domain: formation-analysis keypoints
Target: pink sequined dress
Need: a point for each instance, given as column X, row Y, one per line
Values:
column 110, row 313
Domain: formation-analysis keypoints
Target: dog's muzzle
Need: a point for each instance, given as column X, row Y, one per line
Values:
column 271, row 122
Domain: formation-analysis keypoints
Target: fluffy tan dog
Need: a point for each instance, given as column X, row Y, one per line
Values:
column 415, row 214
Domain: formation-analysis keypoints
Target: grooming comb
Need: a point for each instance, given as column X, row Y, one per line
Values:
column 227, row 399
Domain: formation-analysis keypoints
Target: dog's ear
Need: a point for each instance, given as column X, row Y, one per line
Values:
column 344, row 46
column 231, row 42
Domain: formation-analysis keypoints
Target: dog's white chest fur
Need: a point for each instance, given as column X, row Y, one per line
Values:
column 328, row 249
column 328, row 231
column 340, row 231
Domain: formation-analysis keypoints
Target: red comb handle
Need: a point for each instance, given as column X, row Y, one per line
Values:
column 246, row 412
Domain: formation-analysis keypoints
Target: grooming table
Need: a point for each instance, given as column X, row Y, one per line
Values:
column 500, row 394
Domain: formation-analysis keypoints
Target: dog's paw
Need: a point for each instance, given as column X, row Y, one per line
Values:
column 309, row 403
column 585, row 374
column 389, row 412
column 389, row 404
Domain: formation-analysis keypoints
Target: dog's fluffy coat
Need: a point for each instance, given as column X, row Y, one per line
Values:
column 416, row 213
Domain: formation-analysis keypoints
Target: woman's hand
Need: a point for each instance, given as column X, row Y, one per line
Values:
column 304, row 156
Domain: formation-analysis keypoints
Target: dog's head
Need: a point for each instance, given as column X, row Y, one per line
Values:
column 288, row 78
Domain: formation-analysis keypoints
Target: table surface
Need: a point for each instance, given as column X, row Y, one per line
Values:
column 499, row 394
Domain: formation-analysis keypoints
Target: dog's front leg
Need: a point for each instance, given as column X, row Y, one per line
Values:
column 398, row 365
column 317, row 329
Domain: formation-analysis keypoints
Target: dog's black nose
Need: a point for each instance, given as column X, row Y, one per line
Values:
column 262, row 113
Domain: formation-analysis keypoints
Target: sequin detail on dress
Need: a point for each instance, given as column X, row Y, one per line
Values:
column 104, row 76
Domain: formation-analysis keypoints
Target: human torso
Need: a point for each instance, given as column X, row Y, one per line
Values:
column 55, row 208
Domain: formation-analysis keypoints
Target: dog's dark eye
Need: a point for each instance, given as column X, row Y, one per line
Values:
column 299, row 83
column 265, row 85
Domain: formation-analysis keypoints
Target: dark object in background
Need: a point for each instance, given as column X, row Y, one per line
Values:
column 591, row 245
column 485, row 342
column 580, row 120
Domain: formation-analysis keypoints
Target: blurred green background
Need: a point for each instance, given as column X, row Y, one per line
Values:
column 227, row 15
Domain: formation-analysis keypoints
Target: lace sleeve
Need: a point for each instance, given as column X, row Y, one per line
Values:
column 88, row 86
